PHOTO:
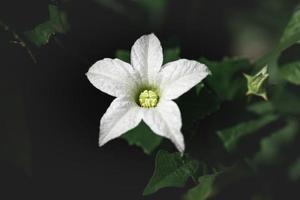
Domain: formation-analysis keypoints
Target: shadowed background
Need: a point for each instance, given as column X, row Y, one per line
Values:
column 50, row 112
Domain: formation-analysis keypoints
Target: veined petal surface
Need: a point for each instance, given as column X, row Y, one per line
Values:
column 122, row 115
column 113, row 76
column 165, row 120
column 147, row 57
column 177, row 77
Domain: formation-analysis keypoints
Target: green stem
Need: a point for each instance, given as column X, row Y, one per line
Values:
column 18, row 40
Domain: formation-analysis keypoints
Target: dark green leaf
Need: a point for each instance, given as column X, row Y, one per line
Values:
column 231, row 136
column 199, row 88
column 286, row 100
column 226, row 79
column 171, row 54
column 143, row 137
column 123, row 55
column 261, row 108
column 171, row 170
column 270, row 146
column 294, row 170
column 58, row 19
column 114, row 5
column 57, row 23
column 154, row 9
column 203, row 190
column 291, row 72
column 291, row 34
column 197, row 104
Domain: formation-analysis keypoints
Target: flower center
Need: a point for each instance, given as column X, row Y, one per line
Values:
column 148, row 99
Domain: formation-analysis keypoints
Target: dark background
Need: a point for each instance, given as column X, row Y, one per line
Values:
column 50, row 112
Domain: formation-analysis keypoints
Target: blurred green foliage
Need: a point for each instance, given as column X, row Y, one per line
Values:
column 268, row 151
column 203, row 190
column 57, row 23
column 226, row 77
column 231, row 136
column 294, row 170
column 291, row 72
column 290, row 36
column 271, row 146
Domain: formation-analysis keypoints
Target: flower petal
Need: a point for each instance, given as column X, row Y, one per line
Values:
column 165, row 120
column 113, row 77
column 179, row 76
column 122, row 115
column 147, row 57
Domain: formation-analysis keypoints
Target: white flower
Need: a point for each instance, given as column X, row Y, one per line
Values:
column 144, row 91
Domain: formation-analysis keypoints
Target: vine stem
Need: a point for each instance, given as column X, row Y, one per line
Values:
column 18, row 40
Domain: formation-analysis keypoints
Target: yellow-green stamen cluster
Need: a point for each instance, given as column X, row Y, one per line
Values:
column 148, row 99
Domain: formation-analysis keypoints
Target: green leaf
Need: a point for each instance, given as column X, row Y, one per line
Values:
column 260, row 108
column 232, row 135
column 114, row 5
column 286, row 100
column 271, row 146
column 58, row 19
column 123, row 55
column 291, row 34
column 226, row 79
column 155, row 10
column 171, row 54
column 291, row 72
column 57, row 23
column 171, row 170
column 203, row 190
column 197, row 104
column 256, row 83
column 294, row 170
column 143, row 137
column 199, row 88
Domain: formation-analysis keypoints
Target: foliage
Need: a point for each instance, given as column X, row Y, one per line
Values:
column 57, row 23
column 291, row 72
column 203, row 190
column 290, row 36
column 226, row 85
column 171, row 170
column 225, row 125
column 142, row 136
column 233, row 135
column 271, row 146
column 294, row 170
column 226, row 77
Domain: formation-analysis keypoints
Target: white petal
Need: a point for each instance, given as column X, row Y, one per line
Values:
column 122, row 115
column 179, row 76
column 113, row 77
column 147, row 57
column 165, row 120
